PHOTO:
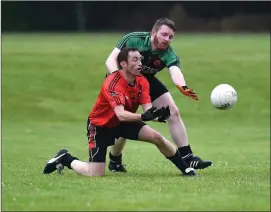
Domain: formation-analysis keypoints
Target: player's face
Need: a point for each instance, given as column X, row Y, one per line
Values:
column 134, row 64
column 163, row 37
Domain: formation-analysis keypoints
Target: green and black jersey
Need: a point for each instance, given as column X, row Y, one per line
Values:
column 141, row 41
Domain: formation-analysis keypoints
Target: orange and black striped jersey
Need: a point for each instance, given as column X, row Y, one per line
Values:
column 116, row 91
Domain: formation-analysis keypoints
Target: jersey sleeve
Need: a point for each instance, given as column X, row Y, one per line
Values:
column 114, row 96
column 171, row 59
column 145, row 95
column 127, row 41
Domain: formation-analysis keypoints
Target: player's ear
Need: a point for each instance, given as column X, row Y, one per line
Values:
column 153, row 32
column 123, row 64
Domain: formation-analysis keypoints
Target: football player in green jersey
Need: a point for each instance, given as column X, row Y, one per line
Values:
column 158, row 54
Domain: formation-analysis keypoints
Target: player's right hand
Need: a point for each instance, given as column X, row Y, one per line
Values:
column 187, row 92
column 151, row 114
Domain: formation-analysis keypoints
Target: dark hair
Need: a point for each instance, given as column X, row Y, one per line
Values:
column 123, row 55
column 164, row 21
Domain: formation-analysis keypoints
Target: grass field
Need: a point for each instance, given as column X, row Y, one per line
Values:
column 50, row 83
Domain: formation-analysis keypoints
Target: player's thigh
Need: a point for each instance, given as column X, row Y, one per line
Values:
column 98, row 141
column 141, row 132
column 166, row 100
column 157, row 88
column 150, row 135
column 129, row 130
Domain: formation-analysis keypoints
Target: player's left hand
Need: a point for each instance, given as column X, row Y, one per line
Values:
column 145, row 70
column 187, row 92
column 165, row 114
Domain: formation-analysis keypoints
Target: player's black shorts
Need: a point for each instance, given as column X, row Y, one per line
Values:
column 157, row 88
column 99, row 138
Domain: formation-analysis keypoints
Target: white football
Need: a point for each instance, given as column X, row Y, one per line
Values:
column 223, row 97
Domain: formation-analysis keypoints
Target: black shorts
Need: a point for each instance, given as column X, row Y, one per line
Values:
column 99, row 138
column 157, row 88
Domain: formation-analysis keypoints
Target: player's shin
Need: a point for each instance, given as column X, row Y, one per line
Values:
column 177, row 160
column 116, row 149
column 179, row 134
column 115, row 156
column 177, row 130
column 172, row 154
column 166, row 147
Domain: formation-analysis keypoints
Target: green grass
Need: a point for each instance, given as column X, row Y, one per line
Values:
column 50, row 83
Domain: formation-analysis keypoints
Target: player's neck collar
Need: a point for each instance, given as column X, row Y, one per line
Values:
column 132, row 84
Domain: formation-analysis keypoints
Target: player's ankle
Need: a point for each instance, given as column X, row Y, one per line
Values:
column 115, row 158
column 178, row 161
column 67, row 160
column 185, row 151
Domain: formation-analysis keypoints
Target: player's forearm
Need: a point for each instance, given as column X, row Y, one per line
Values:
column 111, row 62
column 177, row 76
column 178, row 79
column 111, row 65
column 128, row 116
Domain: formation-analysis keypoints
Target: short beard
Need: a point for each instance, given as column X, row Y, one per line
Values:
column 156, row 44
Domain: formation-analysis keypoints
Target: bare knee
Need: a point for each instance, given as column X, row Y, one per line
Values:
column 174, row 113
column 96, row 174
column 158, row 139
column 88, row 169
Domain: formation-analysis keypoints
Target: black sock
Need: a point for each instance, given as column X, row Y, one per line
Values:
column 67, row 160
column 115, row 159
column 185, row 151
column 178, row 161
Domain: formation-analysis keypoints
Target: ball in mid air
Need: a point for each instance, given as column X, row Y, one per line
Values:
column 223, row 97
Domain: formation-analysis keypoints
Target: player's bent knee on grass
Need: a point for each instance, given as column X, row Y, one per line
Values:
column 88, row 169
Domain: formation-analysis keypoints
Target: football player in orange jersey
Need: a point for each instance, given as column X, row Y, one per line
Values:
column 114, row 115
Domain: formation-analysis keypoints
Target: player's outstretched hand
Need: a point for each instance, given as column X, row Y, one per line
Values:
column 165, row 114
column 188, row 92
column 151, row 114
column 145, row 70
